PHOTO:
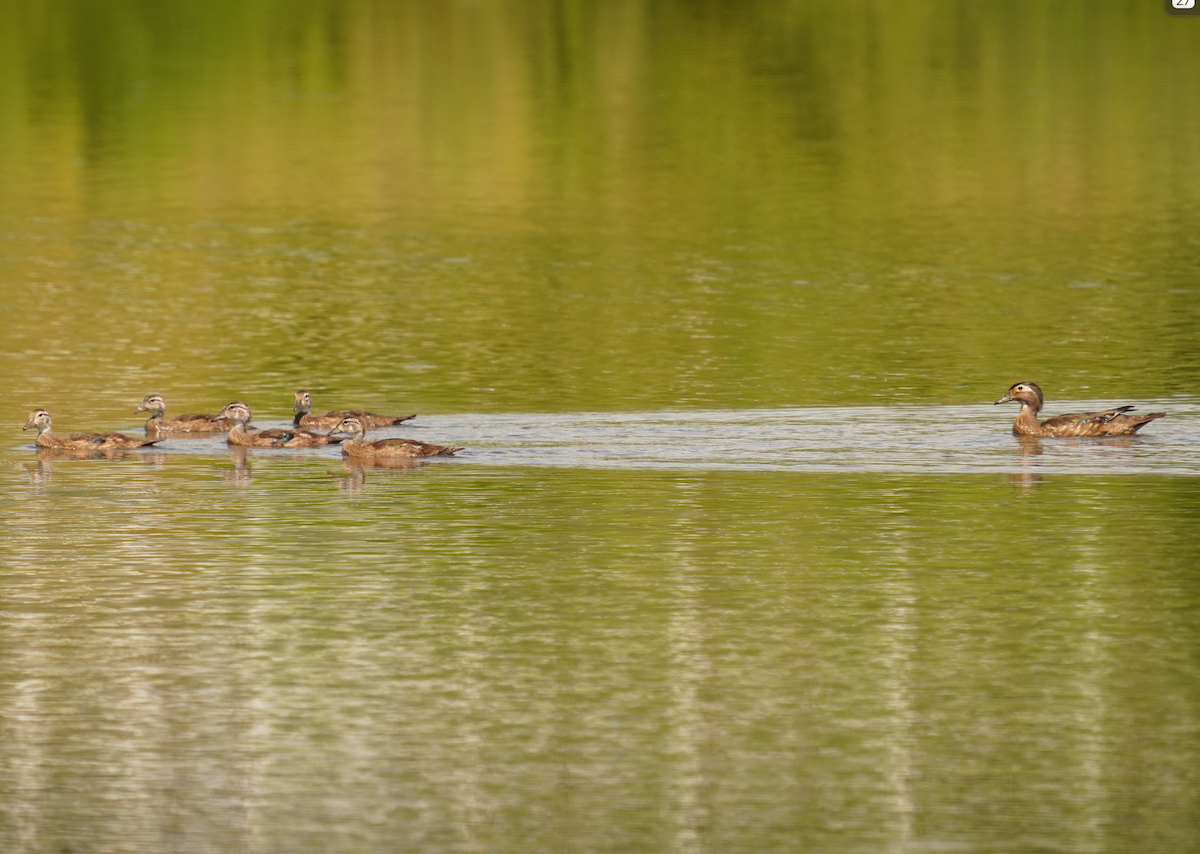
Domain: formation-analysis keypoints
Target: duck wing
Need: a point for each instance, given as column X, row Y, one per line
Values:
column 1127, row 425
column 412, row 448
column 110, row 440
column 281, row 438
column 369, row 419
column 1110, row 422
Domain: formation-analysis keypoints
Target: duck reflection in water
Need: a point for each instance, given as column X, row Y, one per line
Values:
column 240, row 474
column 355, row 476
column 1028, row 447
column 1033, row 454
column 40, row 473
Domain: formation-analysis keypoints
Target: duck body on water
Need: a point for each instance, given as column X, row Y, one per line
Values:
column 239, row 437
column 349, row 430
column 157, row 424
column 308, row 421
column 1110, row 422
column 358, row 446
column 40, row 419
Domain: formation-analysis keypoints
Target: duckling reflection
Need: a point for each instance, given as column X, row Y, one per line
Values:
column 41, row 472
column 51, row 455
column 240, row 474
column 352, row 480
column 355, row 476
column 395, row 463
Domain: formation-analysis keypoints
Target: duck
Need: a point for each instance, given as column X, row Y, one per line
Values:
column 239, row 437
column 1110, row 422
column 156, row 423
column 40, row 419
column 357, row 446
column 308, row 421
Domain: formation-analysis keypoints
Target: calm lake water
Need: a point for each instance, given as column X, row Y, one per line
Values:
column 739, row 556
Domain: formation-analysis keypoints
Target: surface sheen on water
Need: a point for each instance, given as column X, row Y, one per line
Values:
column 896, row 439
column 572, row 638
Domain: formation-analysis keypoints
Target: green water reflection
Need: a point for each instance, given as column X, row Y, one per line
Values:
column 533, row 206
column 452, row 658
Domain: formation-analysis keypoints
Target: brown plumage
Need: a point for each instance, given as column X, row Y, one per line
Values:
column 1110, row 422
column 357, row 446
column 240, row 437
column 156, row 424
column 40, row 419
column 309, row 421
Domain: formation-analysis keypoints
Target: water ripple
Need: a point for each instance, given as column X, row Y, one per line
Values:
column 950, row 439
column 877, row 439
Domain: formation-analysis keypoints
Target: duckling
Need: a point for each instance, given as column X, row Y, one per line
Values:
column 1110, row 422
column 156, row 423
column 239, row 437
column 356, row 446
column 40, row 419
column 330, row 419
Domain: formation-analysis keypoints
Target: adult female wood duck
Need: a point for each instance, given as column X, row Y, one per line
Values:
column 240, row 437
column 1110, row 422
column 40, row 419
column 357, row 446
column 308, row 421
column 156, row 424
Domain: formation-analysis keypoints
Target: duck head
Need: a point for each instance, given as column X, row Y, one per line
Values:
column 40, row 419
column 1025, row 393
column 152, row 403
column 351, row 426
column 237, row 412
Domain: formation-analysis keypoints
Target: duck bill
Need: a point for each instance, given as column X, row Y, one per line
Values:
column 1007, row 397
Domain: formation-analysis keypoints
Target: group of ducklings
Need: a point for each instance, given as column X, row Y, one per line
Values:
column 347, row 428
